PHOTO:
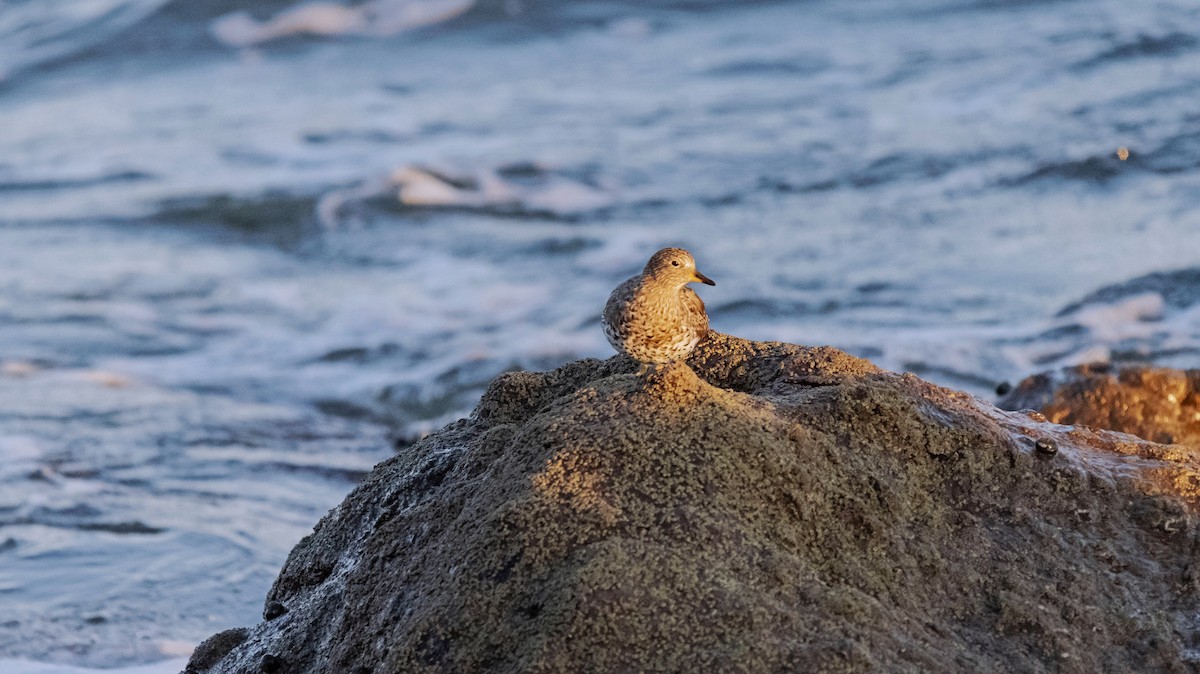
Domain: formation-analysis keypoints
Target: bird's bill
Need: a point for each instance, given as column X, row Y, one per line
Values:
column 697, row 276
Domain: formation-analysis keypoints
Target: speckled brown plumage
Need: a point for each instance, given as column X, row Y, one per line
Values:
column 654, row 317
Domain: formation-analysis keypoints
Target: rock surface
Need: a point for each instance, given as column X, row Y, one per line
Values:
column 1159, row 404
column 772, row 508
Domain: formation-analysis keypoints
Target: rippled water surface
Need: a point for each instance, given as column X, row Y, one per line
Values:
column 247, row 247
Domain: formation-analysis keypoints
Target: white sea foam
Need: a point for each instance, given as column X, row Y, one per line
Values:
column 1134, row 316
column 11, row 666
column 546, row 191
column 377, row 18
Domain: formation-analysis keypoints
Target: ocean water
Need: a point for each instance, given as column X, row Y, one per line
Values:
column 249, row 249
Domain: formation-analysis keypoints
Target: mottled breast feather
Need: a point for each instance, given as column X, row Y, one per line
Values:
column 697, row 316
column 654, row 323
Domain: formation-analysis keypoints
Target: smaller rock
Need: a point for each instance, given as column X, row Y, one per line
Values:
column 274, row 610
column 1159, row 404
column 1003, row 388
column 270, row 663
column 1046, row 445
column 214, row 648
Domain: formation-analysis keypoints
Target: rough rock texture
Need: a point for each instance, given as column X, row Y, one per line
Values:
column 1159, row 404
column 212, row 649
column 780, row 509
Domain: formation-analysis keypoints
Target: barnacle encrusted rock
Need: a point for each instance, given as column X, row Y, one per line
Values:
column 771, row 508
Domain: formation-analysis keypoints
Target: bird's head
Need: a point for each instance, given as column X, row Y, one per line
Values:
column 675, row 266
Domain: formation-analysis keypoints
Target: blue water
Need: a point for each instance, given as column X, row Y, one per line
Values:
column 246, row 248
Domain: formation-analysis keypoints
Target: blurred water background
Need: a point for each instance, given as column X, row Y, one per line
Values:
column 247, row 246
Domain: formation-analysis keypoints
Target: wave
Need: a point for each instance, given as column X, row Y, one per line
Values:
column 36, row 34
column 524, row 189
column 1179, row 289
column 33, row 33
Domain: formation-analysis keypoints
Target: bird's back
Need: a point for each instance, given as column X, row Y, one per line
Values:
column 616, row 312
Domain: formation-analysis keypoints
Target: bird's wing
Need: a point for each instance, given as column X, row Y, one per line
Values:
column 618, row 302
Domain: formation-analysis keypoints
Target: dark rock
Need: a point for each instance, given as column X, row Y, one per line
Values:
column 270, row 663
column 273, row 610
column 214, row 648
column 773, row 508
column 1046, row 445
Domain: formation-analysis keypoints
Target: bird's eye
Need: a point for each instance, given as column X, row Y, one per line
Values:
column 674, row 263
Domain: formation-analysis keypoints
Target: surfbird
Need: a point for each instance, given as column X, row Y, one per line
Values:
column 654, row 317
